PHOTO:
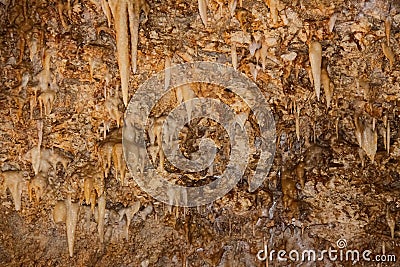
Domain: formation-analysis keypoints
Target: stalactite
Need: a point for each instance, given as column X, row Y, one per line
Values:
column 388, row 137
column 300, row 173
column 32, row 105
column 203, row 11
column 129, row 212
column 146, row 211
column 388, row 24
column 99, row 183
column 24, row 82
column 337, row 128
column 33, row 45
column 273, row 9
column 232, row 7
column 106, row 10
column 106, row 128
column 120, row 10
column 155, row 136
column 120, row 14
column 111, row 105
column 388, row 52
column 161, row 156
column 69, row 9
column 53, row 157
column 33, row 156
column 43, row 159
column 134, row 16
column 289, row 191
column 254, row 46
column 119, row 163
column 88, row 187
column 44, row 79
column 40, row 132
column 38, row 185
column 71, row 221
column 366, row 137
column 391, row 221
column 134, row 9
column 297, row 118
column 60, row 212
column 361, row 154
column 242, row 117
column 92, row 63
column 253, row 70
column 183, row 94
column 332, row 22
column 234, row 56
column 46, row 100
column 373, row 123
column 48, row 54
column 263, row 54
column 20, row 102
column 328, row 86
column 382, row 131
column 93, row 200
column 13, row 180
column 21, row 46
column 258, row 56
column 315, row 54
column 60, row 8
column 105, row 156
column 101, row 216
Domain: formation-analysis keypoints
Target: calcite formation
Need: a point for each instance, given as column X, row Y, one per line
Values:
column 315, row 55
column 13, row 181
column 121, row 11
column 328, row 69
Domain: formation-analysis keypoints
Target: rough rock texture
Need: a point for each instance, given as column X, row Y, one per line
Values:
column 336, row 173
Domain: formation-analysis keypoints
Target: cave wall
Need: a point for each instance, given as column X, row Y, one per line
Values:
column 68, row 69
